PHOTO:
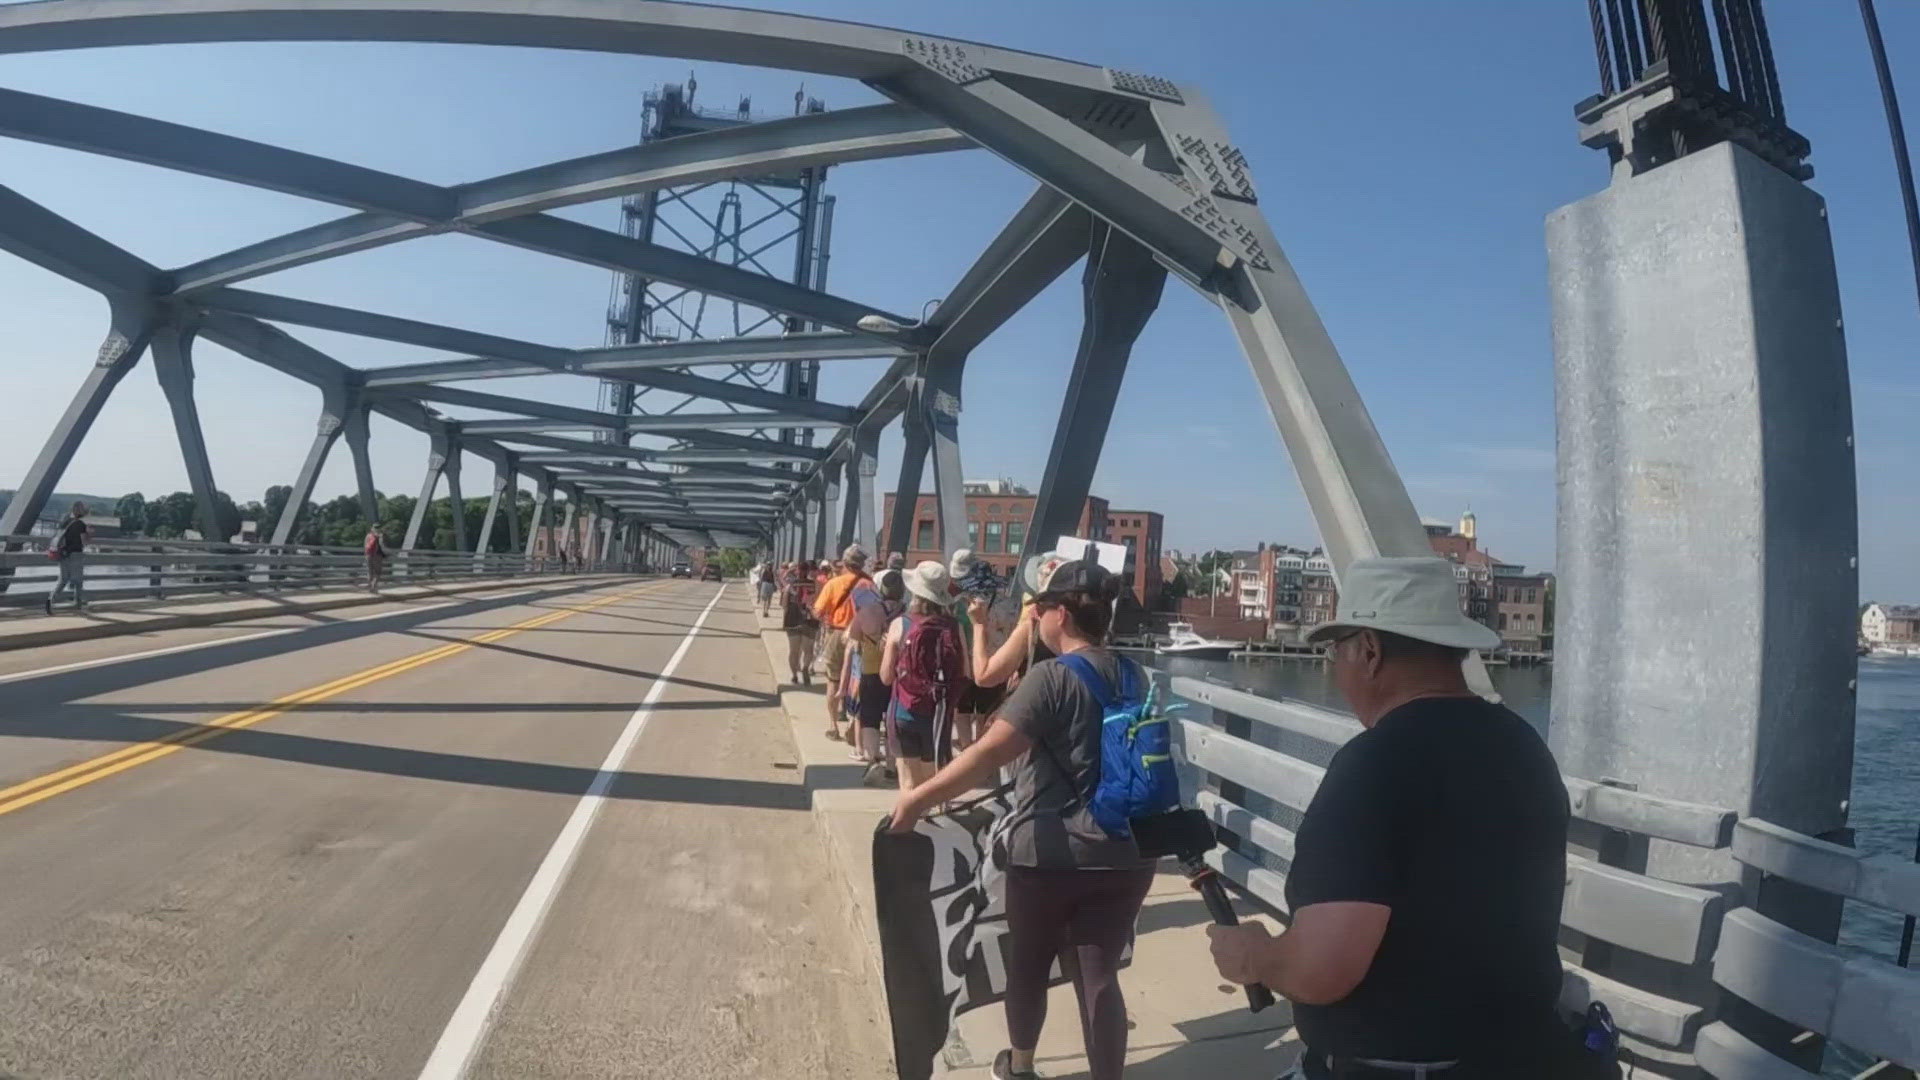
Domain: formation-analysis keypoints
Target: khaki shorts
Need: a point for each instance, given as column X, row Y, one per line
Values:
column 836, row 654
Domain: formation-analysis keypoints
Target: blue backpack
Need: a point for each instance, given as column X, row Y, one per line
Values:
column 1137, row 776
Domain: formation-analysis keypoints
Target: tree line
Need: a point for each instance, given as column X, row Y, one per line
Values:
column 338, row 522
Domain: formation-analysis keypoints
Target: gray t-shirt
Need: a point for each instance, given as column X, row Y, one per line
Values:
column 1051, row 826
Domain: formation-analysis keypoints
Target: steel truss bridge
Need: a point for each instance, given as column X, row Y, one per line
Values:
column 1135, row 177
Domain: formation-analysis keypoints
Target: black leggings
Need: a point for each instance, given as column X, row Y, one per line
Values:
column 1085, row 917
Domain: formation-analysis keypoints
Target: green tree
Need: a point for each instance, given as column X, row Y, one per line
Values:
column 132, row 512
column 734, row 561
column 176, row 515
column 272, row 505
column 226, row 516
column 395, row 512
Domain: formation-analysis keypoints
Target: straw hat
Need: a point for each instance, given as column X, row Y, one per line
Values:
column 1414, row 596
column 928, row 581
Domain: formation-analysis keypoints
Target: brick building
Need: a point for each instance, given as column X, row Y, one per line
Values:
column 1295, row 591
column 997, row 515
column 1141, row 531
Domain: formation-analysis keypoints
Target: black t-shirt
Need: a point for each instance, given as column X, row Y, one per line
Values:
column 73, row 536
column 1451, row 812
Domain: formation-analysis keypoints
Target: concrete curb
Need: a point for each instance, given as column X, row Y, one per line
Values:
column 236, row 611
column 844, row 808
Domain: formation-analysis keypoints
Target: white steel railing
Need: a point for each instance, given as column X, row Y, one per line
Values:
column 140, row 569
column 1255, row 763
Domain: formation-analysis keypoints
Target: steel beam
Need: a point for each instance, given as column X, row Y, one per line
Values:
column 474, row 399
column 772, row 449
column 775, row 146
column 694, row 32
column 273, row 347
column 437, row 455
column 173, row 363
column 355, row 430
column 503, row 475
column 906, row 493
column 1358, row 500
column 223, row 157
column 542, row 510
column 334, row 406
column 614, row 361
column 610, row 250
column 857, row 513
column 51, row 242
column 129, row 331
column 1146, row 203
column 1047, row 235
column 432, row 336
column 1121, row 288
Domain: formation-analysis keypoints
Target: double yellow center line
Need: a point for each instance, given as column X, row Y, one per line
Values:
column 23, row 795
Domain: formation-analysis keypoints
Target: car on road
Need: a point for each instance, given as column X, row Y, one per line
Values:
column 681, row 569
column 711, row 573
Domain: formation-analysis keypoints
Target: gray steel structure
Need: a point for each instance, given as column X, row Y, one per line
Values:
column 1133, row 170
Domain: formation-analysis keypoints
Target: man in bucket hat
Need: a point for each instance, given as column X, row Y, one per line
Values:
column 1428, row 871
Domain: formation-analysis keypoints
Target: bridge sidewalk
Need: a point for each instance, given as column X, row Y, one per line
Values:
column 28, row 628
column 1184, row 1021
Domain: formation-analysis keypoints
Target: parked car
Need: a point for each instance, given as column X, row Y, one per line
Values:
column 711, row 573
column 681, row 569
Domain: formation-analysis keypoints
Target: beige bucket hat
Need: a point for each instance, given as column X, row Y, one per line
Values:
column 1413, row 596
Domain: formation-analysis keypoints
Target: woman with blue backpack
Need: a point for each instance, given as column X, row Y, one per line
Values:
column 1076, row 880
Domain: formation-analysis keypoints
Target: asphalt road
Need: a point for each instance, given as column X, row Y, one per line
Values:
column 556, row 833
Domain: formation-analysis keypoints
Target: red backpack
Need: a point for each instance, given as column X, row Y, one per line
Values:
column 932, row 669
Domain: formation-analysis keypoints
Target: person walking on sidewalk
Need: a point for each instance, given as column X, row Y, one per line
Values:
column 68, row 548
column 1073, row 892
column 800, row 623
column 1427, row 874
column 764, row 573
column 834, row 608
column 924, row 664
column 376, row 550
column 876, row 604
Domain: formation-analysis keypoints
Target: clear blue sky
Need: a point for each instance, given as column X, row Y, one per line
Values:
column 1406, row 153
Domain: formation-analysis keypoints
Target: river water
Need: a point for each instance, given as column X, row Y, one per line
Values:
column 1885, row 809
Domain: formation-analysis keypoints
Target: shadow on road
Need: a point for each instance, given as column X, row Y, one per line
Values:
column 109, row 725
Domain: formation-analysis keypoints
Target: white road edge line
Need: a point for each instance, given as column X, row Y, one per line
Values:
column 466, row 1031
column 102, row 661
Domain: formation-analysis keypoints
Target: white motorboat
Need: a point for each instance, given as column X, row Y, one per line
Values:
column 1182, row 641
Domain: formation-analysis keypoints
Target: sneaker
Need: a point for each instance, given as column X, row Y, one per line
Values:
column 1003, row 1068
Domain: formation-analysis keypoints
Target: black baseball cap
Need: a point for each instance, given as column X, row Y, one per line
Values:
column 1077, row 576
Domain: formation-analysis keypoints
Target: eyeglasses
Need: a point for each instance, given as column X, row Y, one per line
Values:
column 1332, row 645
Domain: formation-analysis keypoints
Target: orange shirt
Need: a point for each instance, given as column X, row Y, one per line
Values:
column 834, row 605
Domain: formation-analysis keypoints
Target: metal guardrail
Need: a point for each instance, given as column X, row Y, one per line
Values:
column 136, row 569
column 1255, row 793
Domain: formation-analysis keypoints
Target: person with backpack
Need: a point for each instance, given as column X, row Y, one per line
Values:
column 924, row 661
column 798, row 620
column 68, row 548
column 1076, row 879
column 876, row 604
column 376, row 550
column 833, row 607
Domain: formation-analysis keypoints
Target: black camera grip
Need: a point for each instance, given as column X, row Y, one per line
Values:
column 1221, row 908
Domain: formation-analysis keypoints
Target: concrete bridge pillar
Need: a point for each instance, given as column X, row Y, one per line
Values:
column 173, row 363
column 1120, row 289
column 131, row 326
column 1707, row 526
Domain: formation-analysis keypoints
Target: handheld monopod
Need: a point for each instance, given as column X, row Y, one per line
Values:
column 1187, row 836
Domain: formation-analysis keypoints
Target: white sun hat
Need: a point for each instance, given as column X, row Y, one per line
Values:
column 1413, row 596
column 928, row 581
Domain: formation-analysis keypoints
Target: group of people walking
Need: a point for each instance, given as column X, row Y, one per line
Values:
column 1426, row 886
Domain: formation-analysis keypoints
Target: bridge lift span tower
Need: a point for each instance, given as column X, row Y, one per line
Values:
column 777, row 224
